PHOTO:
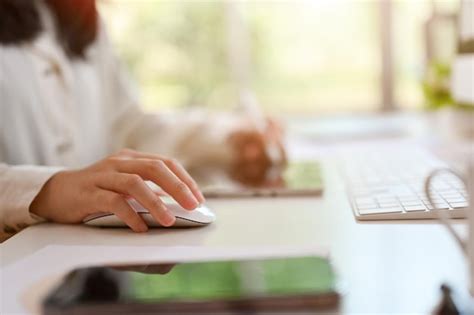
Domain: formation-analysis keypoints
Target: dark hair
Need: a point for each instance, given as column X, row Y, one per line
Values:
column 76, row 23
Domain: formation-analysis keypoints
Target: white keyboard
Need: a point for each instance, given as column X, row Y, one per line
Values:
column 389, row 185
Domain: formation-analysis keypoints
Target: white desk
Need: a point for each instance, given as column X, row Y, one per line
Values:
column 384, row 267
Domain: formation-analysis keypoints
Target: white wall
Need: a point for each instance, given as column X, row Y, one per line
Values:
column 467, row 19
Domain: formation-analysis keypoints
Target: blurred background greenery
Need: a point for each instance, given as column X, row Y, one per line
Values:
column 300, row 56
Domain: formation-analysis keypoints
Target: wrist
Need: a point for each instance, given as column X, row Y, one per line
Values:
column 42, row 203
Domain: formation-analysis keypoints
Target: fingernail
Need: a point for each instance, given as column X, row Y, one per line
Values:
column 201, row 197
column 194, row 202
column 168, row 218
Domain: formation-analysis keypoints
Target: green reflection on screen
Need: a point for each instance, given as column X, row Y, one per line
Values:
column 303, row 175
column 220, row 280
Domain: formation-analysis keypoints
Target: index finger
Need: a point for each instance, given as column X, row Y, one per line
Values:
column 160, row 174
column 182, row 174
column 174, row 166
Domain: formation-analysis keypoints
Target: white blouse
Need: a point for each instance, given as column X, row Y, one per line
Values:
column 57, row 112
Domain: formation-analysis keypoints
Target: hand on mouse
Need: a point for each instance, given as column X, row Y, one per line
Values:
column 69, row 196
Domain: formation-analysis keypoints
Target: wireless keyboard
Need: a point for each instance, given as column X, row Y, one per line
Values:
column 389, row 185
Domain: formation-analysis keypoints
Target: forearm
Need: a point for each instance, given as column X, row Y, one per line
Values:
column 19, row 185
column 195, row 138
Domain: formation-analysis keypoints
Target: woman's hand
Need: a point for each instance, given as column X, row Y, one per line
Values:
column 70, row 196
column 257, row 154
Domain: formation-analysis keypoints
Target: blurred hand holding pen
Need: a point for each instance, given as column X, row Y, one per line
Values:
column 260, row 156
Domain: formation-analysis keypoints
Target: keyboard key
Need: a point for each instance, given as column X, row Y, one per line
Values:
column 458, row 184
column 400, row 192
column 387, row 200
column 457, row 199
column 435, row 200
column 364, row 201
column 389, row 204
column 412, row 203
column 435, row 197
column 380, row 211
column 367, row 206
column 451, row 195
column 415, row 208
column 457, row 205
column 442, row 186
column 410, row 199
column 442, row 206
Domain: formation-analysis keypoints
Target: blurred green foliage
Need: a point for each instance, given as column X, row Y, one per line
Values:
column 301, row 58
column 177, row 50
column 436, row 86
column 305, row 56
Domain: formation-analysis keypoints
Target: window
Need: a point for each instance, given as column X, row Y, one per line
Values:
column 409, row 38
column 297, row 56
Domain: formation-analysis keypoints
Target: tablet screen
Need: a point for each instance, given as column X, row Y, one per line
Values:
column 234, row 279
column 299, row 178
column 303, row 175
column 209, row 287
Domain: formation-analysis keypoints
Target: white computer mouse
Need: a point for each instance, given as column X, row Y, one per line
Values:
column 200, row 216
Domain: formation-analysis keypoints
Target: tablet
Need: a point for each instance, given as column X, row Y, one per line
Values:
column 243, row 286
column 300, row 178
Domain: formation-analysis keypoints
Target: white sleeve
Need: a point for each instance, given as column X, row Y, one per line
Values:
column 19, row 185
column 195, row 138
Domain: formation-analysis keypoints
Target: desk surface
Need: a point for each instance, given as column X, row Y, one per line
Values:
column 383, row 267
